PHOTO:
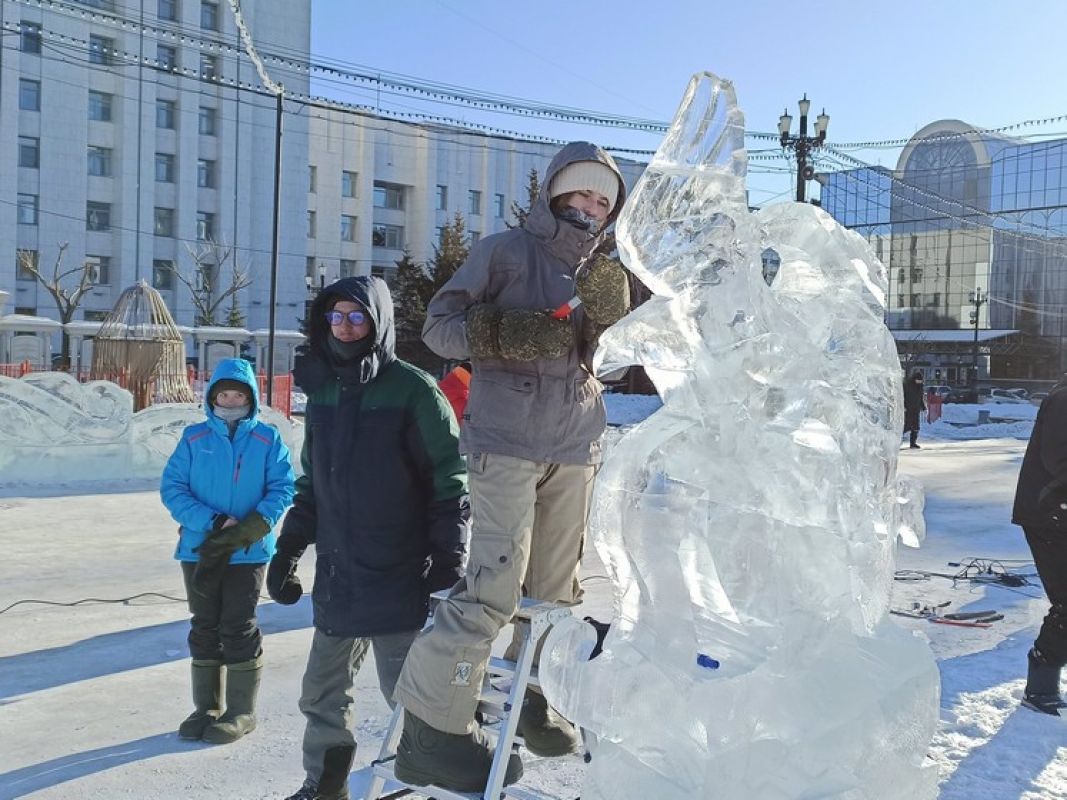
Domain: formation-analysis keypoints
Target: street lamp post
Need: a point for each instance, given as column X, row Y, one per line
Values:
column 978, row 299
column 802, row 144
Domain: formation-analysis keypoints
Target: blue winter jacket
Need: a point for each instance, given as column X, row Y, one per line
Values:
column 210, row 474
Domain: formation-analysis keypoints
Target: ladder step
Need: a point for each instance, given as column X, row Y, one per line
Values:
column 501, row 667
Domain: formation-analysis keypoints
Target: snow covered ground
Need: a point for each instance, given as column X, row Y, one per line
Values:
column 91, row 694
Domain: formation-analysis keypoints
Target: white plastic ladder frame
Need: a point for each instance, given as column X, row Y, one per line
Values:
column 535, row 618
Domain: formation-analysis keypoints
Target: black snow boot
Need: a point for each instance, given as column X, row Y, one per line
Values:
column 460, row 762
column 543, row 730
column 207, row 699
column 242, row 685
column 1042, row 691
column 333, row 784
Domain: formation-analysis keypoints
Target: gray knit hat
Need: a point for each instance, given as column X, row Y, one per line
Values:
column 586, row 176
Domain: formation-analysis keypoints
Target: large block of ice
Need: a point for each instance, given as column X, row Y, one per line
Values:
column 750, row 525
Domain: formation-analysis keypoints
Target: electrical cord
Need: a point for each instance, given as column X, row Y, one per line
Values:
column 101, row 600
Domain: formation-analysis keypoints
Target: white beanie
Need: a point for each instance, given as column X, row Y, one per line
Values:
column 585, row 176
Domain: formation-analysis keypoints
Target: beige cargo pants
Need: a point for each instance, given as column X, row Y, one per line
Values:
column 528, row 531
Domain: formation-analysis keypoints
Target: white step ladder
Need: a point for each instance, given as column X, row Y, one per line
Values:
column 534, row 619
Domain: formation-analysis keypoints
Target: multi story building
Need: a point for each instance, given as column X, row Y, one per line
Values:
column 137, row 133
column 972, row 227
column 133, row 132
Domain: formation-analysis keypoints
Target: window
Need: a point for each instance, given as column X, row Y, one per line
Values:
column 99, row 269
column 206, row 121
column 22, row 258
column 388, row 274
column 475, row 236
column 474, row 201
column 101, row 49
column 348, row 183
column 163, row 222
column 205, row 226
column 106, row 5
column 92, row 315
column 100, row 161
column 165, row 113
column 387, row 195
column 442, row 197
column 97, row 216
column 209, row 16
column 27, row 209
column 439, row 235
column 100, row 106
column 348, row 268
column 168, row 9
column 205, row 174
column 388, row 236
column 30, row 38
column 164, row 168
column 498, row 203
column 348, row 228
column 167, row 56
column 29, row 152
column 311, row 224
column 162, row 274
column 313, row 177
column 29, row 95
column 209, row 66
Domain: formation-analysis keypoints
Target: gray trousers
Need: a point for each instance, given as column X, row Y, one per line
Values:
column 528, row 524
column 326, row 695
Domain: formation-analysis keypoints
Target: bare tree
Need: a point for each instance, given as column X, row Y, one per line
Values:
column 209, row 259
column 67, row 294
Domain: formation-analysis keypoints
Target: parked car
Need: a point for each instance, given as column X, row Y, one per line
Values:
column 940, row 389
column 1036, row 398
column 962, row 396
column 1004, row 396
column 1021, row 393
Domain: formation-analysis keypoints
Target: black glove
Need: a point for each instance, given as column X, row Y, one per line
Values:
column 283, row 585
column 439, row 578
column 208, row 572
column 228, row 541
column 604, row 290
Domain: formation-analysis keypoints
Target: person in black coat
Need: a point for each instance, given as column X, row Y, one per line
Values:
column 914, row 404
column 1041, row 509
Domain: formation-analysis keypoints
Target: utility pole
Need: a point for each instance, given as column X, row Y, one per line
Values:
column 802, row 144
column 272, row 319
column 978, row 299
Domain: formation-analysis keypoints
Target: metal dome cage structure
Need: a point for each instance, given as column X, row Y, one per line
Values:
column 140, row 348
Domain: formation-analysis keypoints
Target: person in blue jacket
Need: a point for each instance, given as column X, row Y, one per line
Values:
column 227, row 484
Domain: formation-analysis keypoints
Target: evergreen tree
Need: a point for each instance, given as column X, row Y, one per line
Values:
column 533, row 189
column 411, row 290
column 449, row 254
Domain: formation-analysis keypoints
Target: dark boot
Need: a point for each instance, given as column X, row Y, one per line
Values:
column 544, row 731
column 460, row 762
column 207, row 699
column 1042, row 691
column 242, row 685
column 333, row 784
column 914, row 440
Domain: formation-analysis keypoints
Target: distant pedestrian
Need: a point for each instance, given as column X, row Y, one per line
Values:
column 227, row 484
column 914, row 405
column 1041, row 509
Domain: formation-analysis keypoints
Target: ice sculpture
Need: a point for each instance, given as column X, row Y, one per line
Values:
column 750, row 524
column 54, row 429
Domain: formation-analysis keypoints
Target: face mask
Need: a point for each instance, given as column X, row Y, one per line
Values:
column 579, row 219
column 347, row 351
column 232, row 414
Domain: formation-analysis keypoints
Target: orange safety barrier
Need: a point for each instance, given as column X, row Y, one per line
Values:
column 933, row 407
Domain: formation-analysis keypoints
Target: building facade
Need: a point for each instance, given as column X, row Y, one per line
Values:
column 971, row 226
column 137, row 134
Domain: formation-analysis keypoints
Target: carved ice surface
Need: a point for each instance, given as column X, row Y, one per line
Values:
column 750, row 524
column 54, row 429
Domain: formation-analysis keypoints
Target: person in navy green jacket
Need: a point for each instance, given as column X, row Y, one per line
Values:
column 227, row 484
column 383, row 498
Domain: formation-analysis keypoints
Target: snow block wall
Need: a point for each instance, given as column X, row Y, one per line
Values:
column 54, row 429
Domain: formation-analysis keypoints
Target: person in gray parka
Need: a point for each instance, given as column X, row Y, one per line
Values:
column 531, row 434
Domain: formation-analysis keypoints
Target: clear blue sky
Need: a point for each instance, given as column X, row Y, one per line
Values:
column 882, row 70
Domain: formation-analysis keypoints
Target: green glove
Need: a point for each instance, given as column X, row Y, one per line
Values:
column 604, row 290
column 527, row 335
column 229, row 540
column 483, row 330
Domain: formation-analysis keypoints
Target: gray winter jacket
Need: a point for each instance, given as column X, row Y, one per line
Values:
column 549, row 410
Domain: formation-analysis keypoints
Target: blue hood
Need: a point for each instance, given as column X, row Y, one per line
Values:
column 233, row 369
